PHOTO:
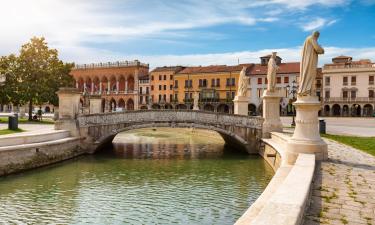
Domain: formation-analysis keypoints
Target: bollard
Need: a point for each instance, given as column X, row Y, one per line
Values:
column 322, row 126
column 13, row 122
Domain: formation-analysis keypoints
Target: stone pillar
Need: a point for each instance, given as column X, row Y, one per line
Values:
column 306, row 137
column 241, row 105
column 117, row 86
column 271, row 113
column 95, row 104
column 109, row 87
column 68, row 110
column 92, row 87
column 126, row 86
column 100, row 87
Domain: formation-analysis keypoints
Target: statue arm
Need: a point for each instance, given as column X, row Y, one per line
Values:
column 317, row 47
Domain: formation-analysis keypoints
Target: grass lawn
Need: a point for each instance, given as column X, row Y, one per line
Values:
column 366, row 144
column 25, row 120
column 6, row 131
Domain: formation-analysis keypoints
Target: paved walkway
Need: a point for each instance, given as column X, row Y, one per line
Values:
column 357, row 126
column 343, row 188
column 30, row 127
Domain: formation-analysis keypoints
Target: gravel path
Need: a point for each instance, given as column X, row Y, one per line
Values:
column 343, row 188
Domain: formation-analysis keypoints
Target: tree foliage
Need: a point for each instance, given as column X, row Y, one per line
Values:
column 35, row 74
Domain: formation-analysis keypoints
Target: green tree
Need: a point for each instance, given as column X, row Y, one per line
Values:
column 40, row 73
column 9, row 90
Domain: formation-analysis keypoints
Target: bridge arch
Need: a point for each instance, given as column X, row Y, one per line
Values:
column 241, row 131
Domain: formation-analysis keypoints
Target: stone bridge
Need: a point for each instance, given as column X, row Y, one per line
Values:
column 99, row 129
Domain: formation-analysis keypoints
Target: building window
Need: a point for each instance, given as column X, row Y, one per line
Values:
column 213, row 82
column 160, row 88
column 190, row 83
column 152, row 87
column 171, row 87
column 371, row 93
column 141, row 99
column 259, row 80
column 159, row 98
column 165, row 97
column 217, row 82
column 204, row 83
column 159, row 77
column 186, row 96
column 228, row 95
column 165, row 77
column 345, row 81
column 140, row 90
column 353, row 94
column 371, row 80
column 170, row 77
column 266, row 81
column 191, row 96
column 278, row 80
column 165, row 87
column 152, row 77
column 327, row 94
column 147, row 91
column 354, row 80
column 170, row 97
column 345, row 94
column 175, row 97
column 233, row 81
column 233, row 94
column 176, row 83
column 228, row 82
column 186, row 83
column 286, row 80
column 327, row 81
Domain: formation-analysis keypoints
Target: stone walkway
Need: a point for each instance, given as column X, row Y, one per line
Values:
column 343, row 188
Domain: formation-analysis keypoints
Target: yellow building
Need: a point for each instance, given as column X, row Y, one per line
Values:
column 216, row 86
column 161, row 84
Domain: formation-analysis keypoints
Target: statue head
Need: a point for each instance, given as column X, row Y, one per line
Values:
column 274, row 55
column 316, row 34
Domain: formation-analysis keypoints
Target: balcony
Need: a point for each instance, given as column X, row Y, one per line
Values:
column 349, row 100
column 345, row 83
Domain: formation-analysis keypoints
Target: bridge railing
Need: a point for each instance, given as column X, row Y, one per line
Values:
column 178, row 116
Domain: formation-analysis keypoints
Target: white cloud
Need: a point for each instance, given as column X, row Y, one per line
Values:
column 317, row 23
column 229, row 58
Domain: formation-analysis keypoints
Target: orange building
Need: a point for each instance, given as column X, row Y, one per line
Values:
column 161, row 84
column 116, row 83
column 216, row 85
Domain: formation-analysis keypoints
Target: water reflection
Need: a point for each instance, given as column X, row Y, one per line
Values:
column 164, row 143
column 110, row 189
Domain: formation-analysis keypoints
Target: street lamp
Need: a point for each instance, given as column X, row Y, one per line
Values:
column 292, row 90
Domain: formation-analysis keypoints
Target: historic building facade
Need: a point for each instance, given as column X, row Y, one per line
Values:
column 116, row 83
column 348, row 87
column 144, row 92
column 286, row 75
column 216, row 85
column 162, row 81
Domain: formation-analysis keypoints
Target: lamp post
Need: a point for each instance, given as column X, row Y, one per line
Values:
column 292, row 90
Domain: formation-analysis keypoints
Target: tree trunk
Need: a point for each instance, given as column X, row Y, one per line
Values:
column 30, row 110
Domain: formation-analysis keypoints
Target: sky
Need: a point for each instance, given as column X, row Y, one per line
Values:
column 189, row 32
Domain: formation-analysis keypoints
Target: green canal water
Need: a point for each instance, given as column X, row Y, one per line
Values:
column 163, row 176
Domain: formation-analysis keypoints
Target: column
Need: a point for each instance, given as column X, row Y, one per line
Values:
column 109, row 87
column 126, row 86
column 100, row 87
column 117, row 86
column 92, row 87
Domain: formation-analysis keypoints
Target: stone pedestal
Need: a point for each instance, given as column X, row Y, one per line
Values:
column 95, row 104
column 306, row 137
column 271, row 113
column 56, row 113
column 68, row 103
column 241, row 105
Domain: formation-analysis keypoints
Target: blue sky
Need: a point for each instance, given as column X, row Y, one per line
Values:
column 189, row 32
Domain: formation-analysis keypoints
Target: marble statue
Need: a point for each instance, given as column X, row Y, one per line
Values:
column 311, row 50
column 271, row 73
column 242, row 82
column 196, row 100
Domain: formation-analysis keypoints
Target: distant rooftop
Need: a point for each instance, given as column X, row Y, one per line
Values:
column 111, row 64
column 168, row 68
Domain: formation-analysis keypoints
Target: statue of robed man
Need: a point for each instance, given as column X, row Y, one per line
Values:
column 271, row 73
column 308, row 68
column 242, row 83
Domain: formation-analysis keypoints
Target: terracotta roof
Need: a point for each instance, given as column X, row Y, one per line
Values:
column 168, row 68
column 291, row 67
column 214, row 69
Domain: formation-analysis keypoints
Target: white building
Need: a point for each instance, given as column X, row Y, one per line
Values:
column 348, row 87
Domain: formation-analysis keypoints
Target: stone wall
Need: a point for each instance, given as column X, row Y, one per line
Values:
column 22, row 157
